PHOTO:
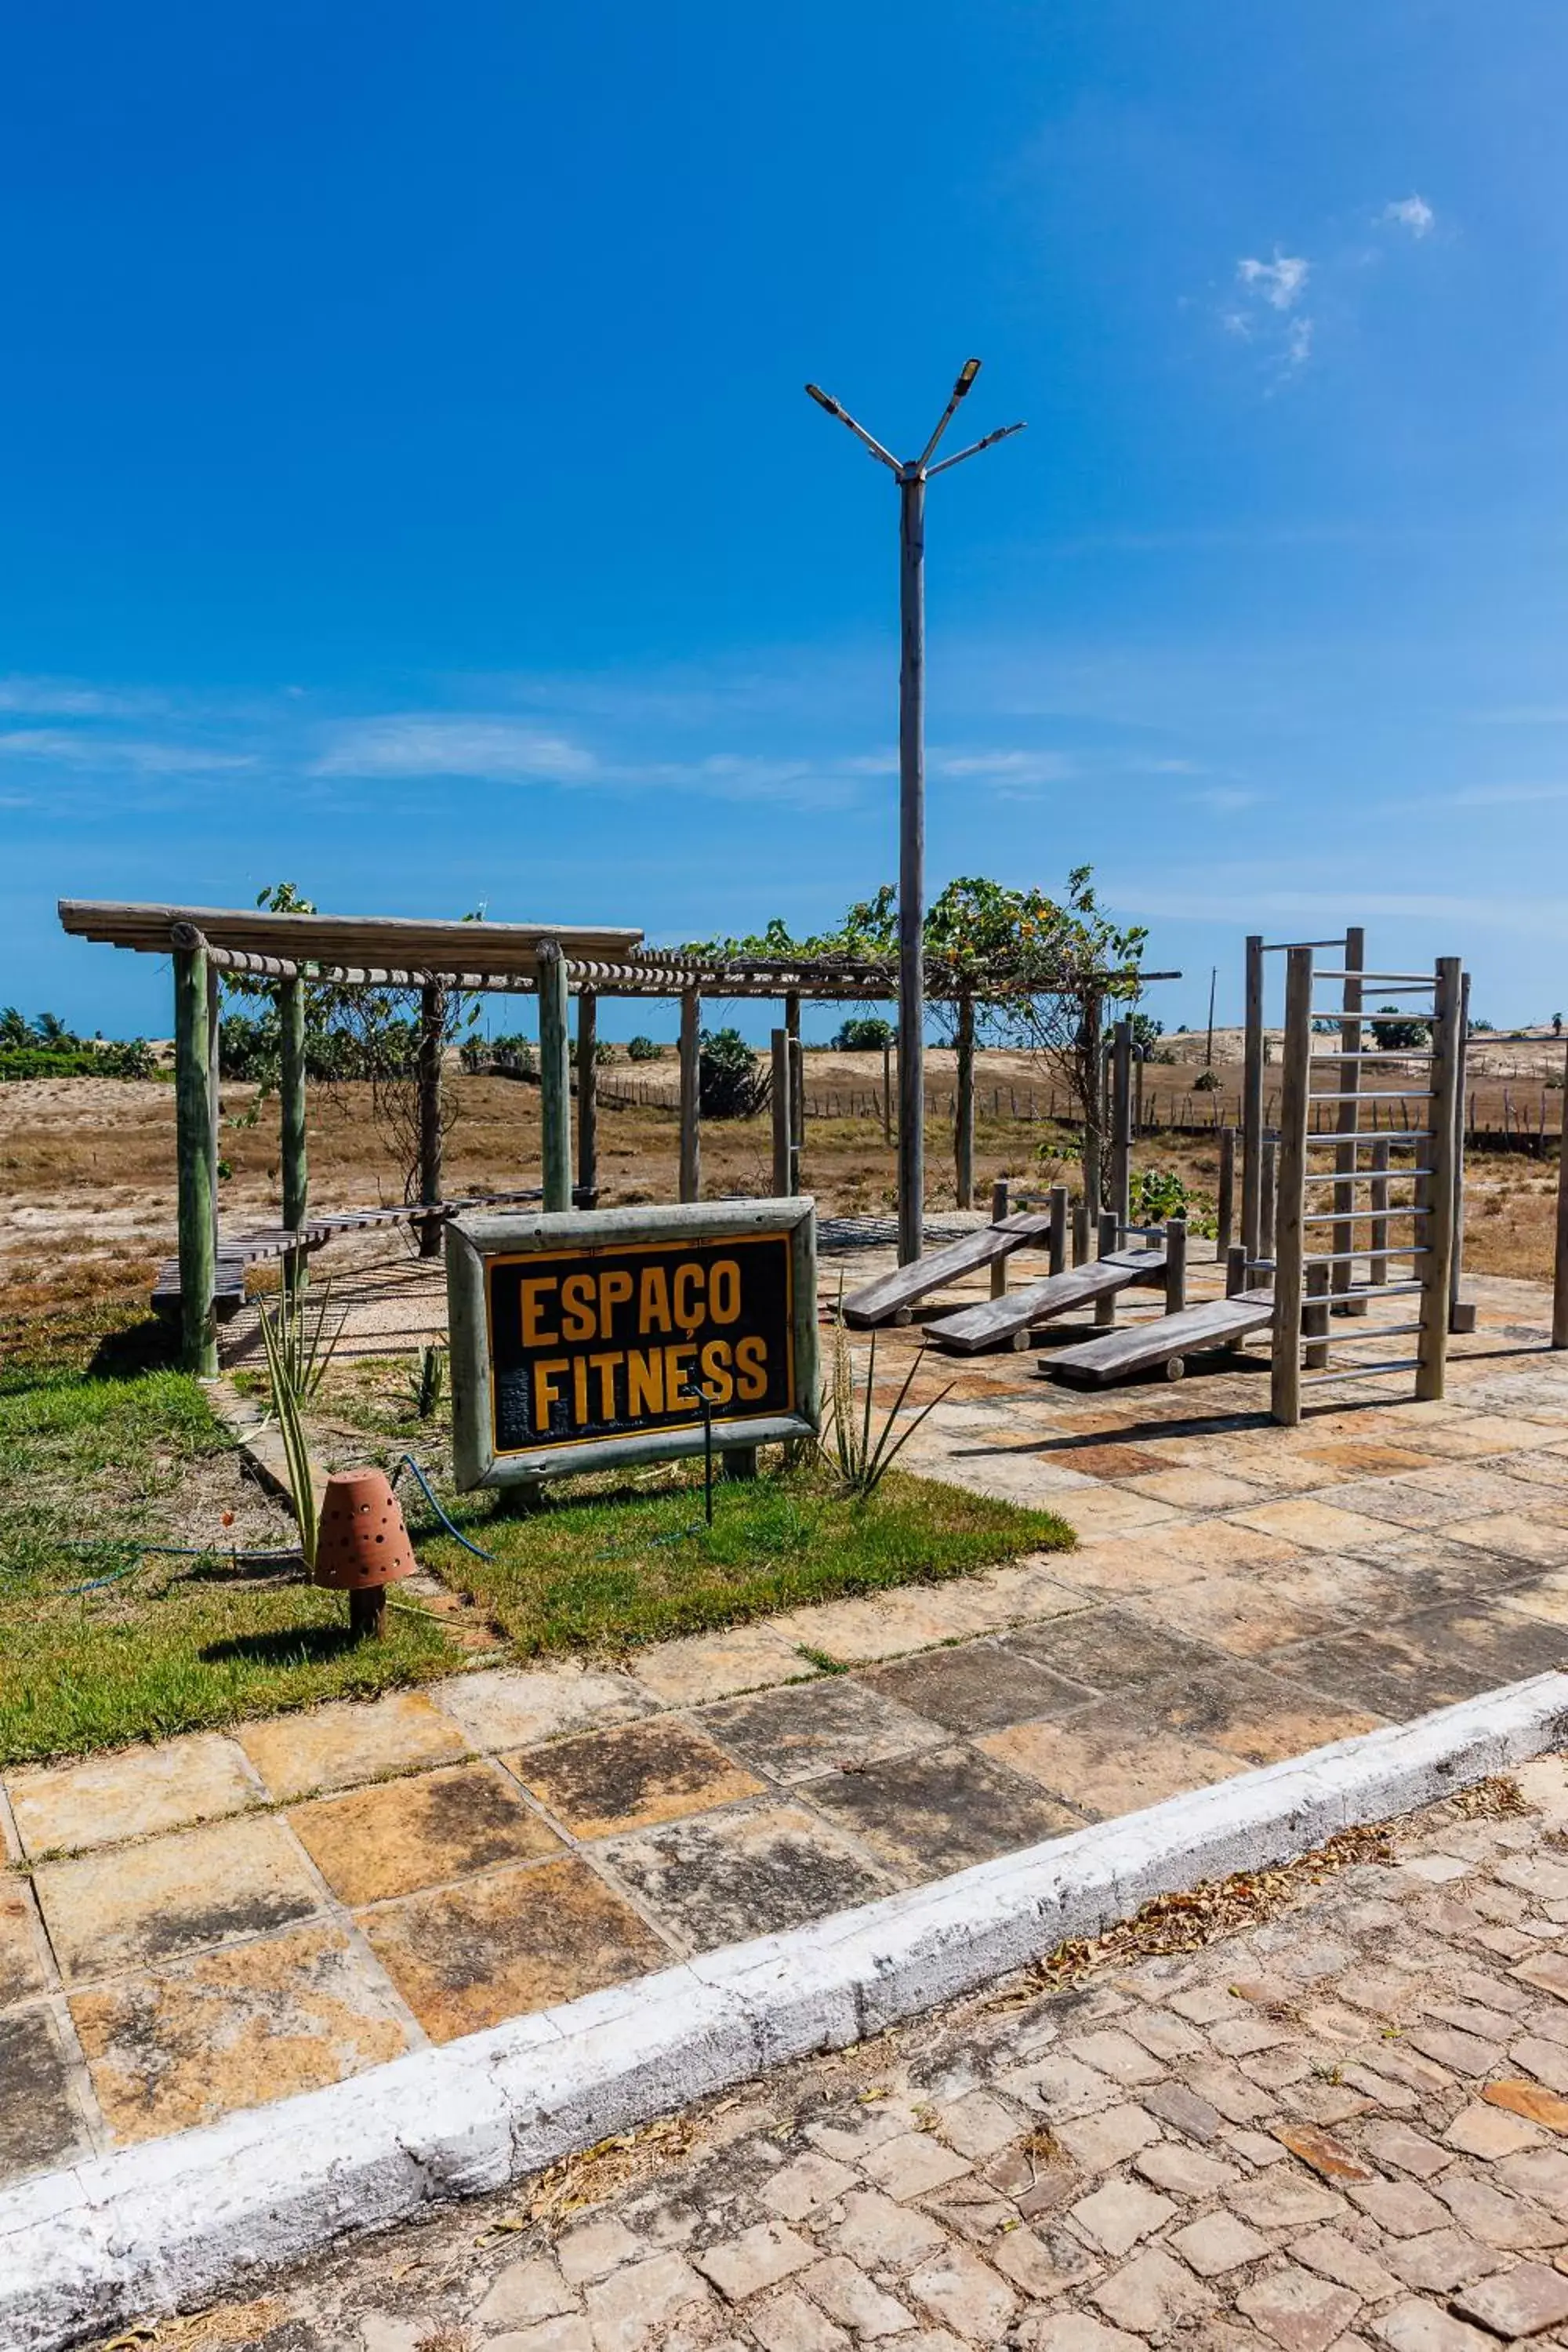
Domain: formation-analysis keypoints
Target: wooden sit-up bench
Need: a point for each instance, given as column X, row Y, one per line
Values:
column 1007, row 1321
column 1165, row 1344
column 890, row 1296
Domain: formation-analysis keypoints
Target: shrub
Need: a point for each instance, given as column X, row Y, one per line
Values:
column 1157, row 1193
column 643, row 1049
column 863, row 1034
column 1399, row 1035
column 1205, row 1083
column 730, row 1083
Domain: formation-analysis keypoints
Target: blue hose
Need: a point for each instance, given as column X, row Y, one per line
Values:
column 427, row 1491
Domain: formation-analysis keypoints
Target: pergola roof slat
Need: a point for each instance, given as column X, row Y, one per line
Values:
column 408, row 942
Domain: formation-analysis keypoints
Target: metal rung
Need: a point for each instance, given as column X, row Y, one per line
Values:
column 1406, row 979
column 1283, row 947
column 1376, row 1290
column 1382, row 1053
column 1360, row 1216
column 1348, row 1258
column 1365, row 1175
column 1382, row 1331
column 1363, row 1372
column 1371, row 1095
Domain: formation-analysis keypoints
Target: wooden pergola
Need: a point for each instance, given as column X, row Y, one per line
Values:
column 550, row 961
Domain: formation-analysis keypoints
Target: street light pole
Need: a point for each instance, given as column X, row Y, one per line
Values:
column 911, row 863
column 912, row 476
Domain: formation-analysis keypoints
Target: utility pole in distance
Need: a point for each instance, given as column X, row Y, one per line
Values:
column 912, row 476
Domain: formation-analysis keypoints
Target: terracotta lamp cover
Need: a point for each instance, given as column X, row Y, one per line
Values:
column 362, row 1542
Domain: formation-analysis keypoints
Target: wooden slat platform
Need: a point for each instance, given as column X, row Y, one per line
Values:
column 1165, row 1344
column 893, row 1294
column 1012, row 1317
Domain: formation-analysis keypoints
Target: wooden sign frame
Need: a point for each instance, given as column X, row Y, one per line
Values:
column 490, row 1258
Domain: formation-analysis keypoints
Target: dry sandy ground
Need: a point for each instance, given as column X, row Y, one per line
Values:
column 87, row 1166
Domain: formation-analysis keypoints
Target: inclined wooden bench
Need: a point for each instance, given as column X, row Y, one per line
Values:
column 890, row 1297
column 1008, row 1320
column 1163, row 1344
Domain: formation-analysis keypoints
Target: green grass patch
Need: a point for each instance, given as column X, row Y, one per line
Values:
column 619, row 1566
column 176, row 1644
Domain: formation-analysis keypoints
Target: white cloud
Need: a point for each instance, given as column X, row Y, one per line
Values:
column 1224, row 800
column 1009, row 768
column 496, row 750
column 1298, row 343
column 1412, row 212
column 85, row 750
column 56, row 697
column 1280, row 282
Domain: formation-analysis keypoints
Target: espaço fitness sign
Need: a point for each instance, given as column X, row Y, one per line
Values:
column 592, row 1338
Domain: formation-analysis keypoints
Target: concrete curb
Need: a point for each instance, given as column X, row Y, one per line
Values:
column 181, row 2219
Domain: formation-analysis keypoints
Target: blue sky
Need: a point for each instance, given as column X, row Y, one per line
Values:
column 406, row 485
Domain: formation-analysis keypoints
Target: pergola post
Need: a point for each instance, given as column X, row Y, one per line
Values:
column 963, row 1104
column 214, row 1099
column 192, row 1131
column 588, row 1098
column 1091, row 1062
column 292, row 1120
column 691, row 1095
column 781, row 1106
column 797, row 1086
column 554, row 1080
column 432, row 1035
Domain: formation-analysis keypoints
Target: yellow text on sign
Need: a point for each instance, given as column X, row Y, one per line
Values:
column 618, row 1304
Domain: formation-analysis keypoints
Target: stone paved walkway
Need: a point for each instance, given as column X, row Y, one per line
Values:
column 1342, row 2128
column 228, row 1919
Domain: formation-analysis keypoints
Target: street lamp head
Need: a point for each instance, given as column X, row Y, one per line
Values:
column 824, row 400
column 966, row 376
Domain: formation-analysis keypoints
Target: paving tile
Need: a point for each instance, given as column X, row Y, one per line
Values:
column 716, row 1665
column 22, row 1971
column 827, row 1725
column 1365, row 1457
column 978, row 1686
column 110, row 1911
column 510, row 1942
column 940, row 1810
column 1300, row 2310
column 718, row 1878
column 606, row 1782
column 134, row 1792
column 1319, row 1526
column 39, row 2124
column 1460, row 1435
column 1109, row 1761
column 351, row 1741
column 1247, row 1619
column 1110, row 1649
column 1385, row 1669
column 401, row 1835
column 1167, row 1556
column 1111, row 1510
column 1516, row 1535
column 1193, row 1490
column 1103, row 1459
column 234, row 2028
column 514, row 1707
column 1517, row 2303
column 1244, row 1712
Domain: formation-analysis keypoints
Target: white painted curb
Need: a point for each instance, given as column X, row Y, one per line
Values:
column 185, row 2218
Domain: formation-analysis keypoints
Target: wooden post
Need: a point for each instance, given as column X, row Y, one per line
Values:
column 780, row 1106
column 427, row 1068
column 1377, row 1192
column 964, row 1105
column 1236, row 1277
column 797, row 1113
column 1351, row 1034
column 1560, row 1267
column 1315, row 1315
column 588, row 1098
column 1092, row 1055
column 192, row 1145
column 1434, row 1193
column 1057, row 1238
column 1121, row 1121
column 554, row 1080
column 691, row 1095
column 1109, row 1241
column 887, row 1090
column 214, row 1100
column 1252, row 1103
column 796, row 1087
column 1080, row 1232
column 1226, row 1217
column 1285, row 1387
column 1463, row 1319
column 999, row 1211
column 292, row 1149
column 1175, row 1264
column 1268, row 1159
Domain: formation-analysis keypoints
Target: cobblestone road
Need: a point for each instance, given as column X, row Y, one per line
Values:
column 1345, row 2125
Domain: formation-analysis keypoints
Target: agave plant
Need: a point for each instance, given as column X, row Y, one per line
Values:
column 299, row 1347
column 862, row 1461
